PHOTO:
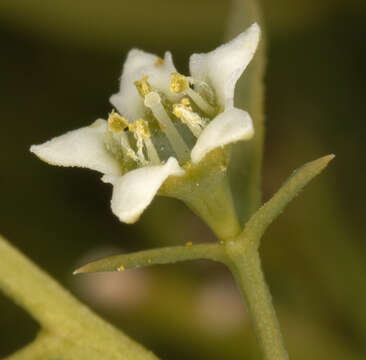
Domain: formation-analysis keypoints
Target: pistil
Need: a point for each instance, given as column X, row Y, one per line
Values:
column 153, row 101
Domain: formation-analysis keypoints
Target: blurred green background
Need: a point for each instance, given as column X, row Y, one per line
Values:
column 60, row 62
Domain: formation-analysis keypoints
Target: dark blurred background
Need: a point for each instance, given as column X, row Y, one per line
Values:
column 60, row 62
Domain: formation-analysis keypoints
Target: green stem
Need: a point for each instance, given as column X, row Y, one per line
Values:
column 246, row 267
column 214, row 204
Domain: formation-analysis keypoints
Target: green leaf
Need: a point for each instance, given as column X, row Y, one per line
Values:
column 155, row 256
column 259, row 222
column 246, row 160
column 69, row 330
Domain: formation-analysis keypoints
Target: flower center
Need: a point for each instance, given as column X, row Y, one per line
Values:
column 143, row 142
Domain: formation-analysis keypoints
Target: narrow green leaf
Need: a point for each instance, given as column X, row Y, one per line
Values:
column 259, row 222
column 155, row 256
column 69, row 329
column 246, row 159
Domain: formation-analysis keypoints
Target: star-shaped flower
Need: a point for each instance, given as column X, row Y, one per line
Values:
column 166, row 126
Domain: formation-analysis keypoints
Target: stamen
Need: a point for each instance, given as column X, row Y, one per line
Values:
column 180, row 84
column 153, row 101
column 141, row 131
column 117, row 124
column 142, row 86
column 200, row 102
column 190, row 118
column 137, row 129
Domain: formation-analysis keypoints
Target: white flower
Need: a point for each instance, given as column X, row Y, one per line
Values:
column 166, row 123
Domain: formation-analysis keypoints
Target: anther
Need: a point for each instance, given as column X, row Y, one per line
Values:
column 116, row 122
column 142, row 86
column 153, row 101
column 178, row 83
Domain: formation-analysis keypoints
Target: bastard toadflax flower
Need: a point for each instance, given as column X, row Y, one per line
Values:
column 169, row 134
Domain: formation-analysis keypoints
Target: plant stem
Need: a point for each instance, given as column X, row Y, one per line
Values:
column 246, row 268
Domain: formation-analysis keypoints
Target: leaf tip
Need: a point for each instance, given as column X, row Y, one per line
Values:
column 325, row 160
column 80, row 270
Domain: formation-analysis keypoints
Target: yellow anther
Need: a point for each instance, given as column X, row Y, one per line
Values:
column 121, row 268
column 178, row 83
column 149, row 261
column 189, row 243
column 178, row 110
column 140, row 128
column 159, row 61
column 116, row 122
column 142, row 86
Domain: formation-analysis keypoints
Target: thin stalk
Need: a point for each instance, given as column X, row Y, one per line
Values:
column 246, row 269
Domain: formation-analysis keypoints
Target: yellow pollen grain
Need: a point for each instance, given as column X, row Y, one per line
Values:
column 185, row 101
column 116, row 122
column 142, row 86
column 189, row 243
column 159, row 61
column 149, row 261
column 178, row 83
column 121, row 268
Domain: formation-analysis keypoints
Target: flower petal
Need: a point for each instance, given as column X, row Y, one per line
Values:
column 222, row 67
column 83, row 147
column 138, row 63
column 133, row 192
column 228, row 127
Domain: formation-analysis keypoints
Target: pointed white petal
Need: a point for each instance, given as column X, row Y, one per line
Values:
column 133, row 192
column 228, row 127
column 222, row 67
column 83, row 147
column 138, row 63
